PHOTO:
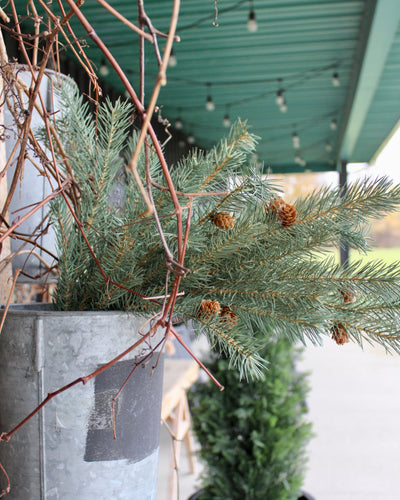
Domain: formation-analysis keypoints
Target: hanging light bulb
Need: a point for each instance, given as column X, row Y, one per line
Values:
column 335, row 80
column 178, row 124
column 210, row 106
column 252, row 25
column 172, row 61
column 296, row 140
column 191, row 139
column 299, row 160
column 333, row 124
column 104, row 70
column 283, row 106
column 280, row 99
column 226, row 121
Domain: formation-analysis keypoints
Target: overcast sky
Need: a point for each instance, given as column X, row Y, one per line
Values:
column 388, row 162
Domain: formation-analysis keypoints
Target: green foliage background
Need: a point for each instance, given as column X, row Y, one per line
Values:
column 253, row 435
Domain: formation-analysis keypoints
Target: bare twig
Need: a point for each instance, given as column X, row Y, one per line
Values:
column 179, row 339
column 40, row 204
column 8, row 487
column 126, row 21
column 4, row 16
column 161, row 80
column 10, row 295
column 137, row 364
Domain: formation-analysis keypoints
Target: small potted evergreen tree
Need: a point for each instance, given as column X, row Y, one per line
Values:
column 253, row 436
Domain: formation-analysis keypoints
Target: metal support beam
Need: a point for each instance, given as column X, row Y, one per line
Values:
column 344, row 249
column 381, row 22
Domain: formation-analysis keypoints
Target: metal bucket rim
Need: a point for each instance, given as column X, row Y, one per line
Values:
column 47, row 309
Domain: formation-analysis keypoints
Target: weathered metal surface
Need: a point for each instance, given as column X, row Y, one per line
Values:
column 67, row 451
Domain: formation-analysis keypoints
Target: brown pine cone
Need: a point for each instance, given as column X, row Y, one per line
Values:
column 228, row 316
column 274, row 204
column 339, row 334
column 209, row 307
column 348, row 297
column 223, row 220
column 286, row 214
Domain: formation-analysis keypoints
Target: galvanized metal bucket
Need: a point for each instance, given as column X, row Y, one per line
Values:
column 34, row 187
column 67, row 451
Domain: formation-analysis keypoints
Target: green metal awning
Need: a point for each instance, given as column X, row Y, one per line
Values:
column 336, row 64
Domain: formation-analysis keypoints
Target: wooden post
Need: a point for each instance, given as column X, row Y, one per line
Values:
column 5, row 250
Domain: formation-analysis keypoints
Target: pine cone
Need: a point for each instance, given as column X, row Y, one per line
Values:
column 209, row 307
column 274, row 204
column 339, row 334
column 223, row 220
column 286, row 214
column 228, row 316
column 348, row 297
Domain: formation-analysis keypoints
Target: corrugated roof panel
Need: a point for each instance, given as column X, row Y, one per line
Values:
column 384, row 112
column 298, row 46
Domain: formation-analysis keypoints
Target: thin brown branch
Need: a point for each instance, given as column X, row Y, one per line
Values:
column 141, row 59
column 126, row 21
column 8, row 487
column 93, row 35
column 137, row 364
column 179, row 339
column 4, row 16
column 144, row 19
column 10, row 295
column 35, row 87
column 26, row 239
column 160, row 81
column 40, row 204
column 87, row 66
column 37, row 28
column 10, row 158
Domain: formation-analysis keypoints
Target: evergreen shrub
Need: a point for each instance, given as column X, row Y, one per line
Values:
column 253, row 435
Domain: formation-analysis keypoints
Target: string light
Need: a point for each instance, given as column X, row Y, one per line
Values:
column 226, row 121
column 172, row 61
column 181, row 143
column 328, row 147
column 210, row 106
column 178, row 124
column 252, row 25
column 299, row 160
column 104, row 70
column 291, row 82
column 333, row 124
column 296, row 140
column 191, row 139
column 283, row 107
column 280, row 99
column 335, row 80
